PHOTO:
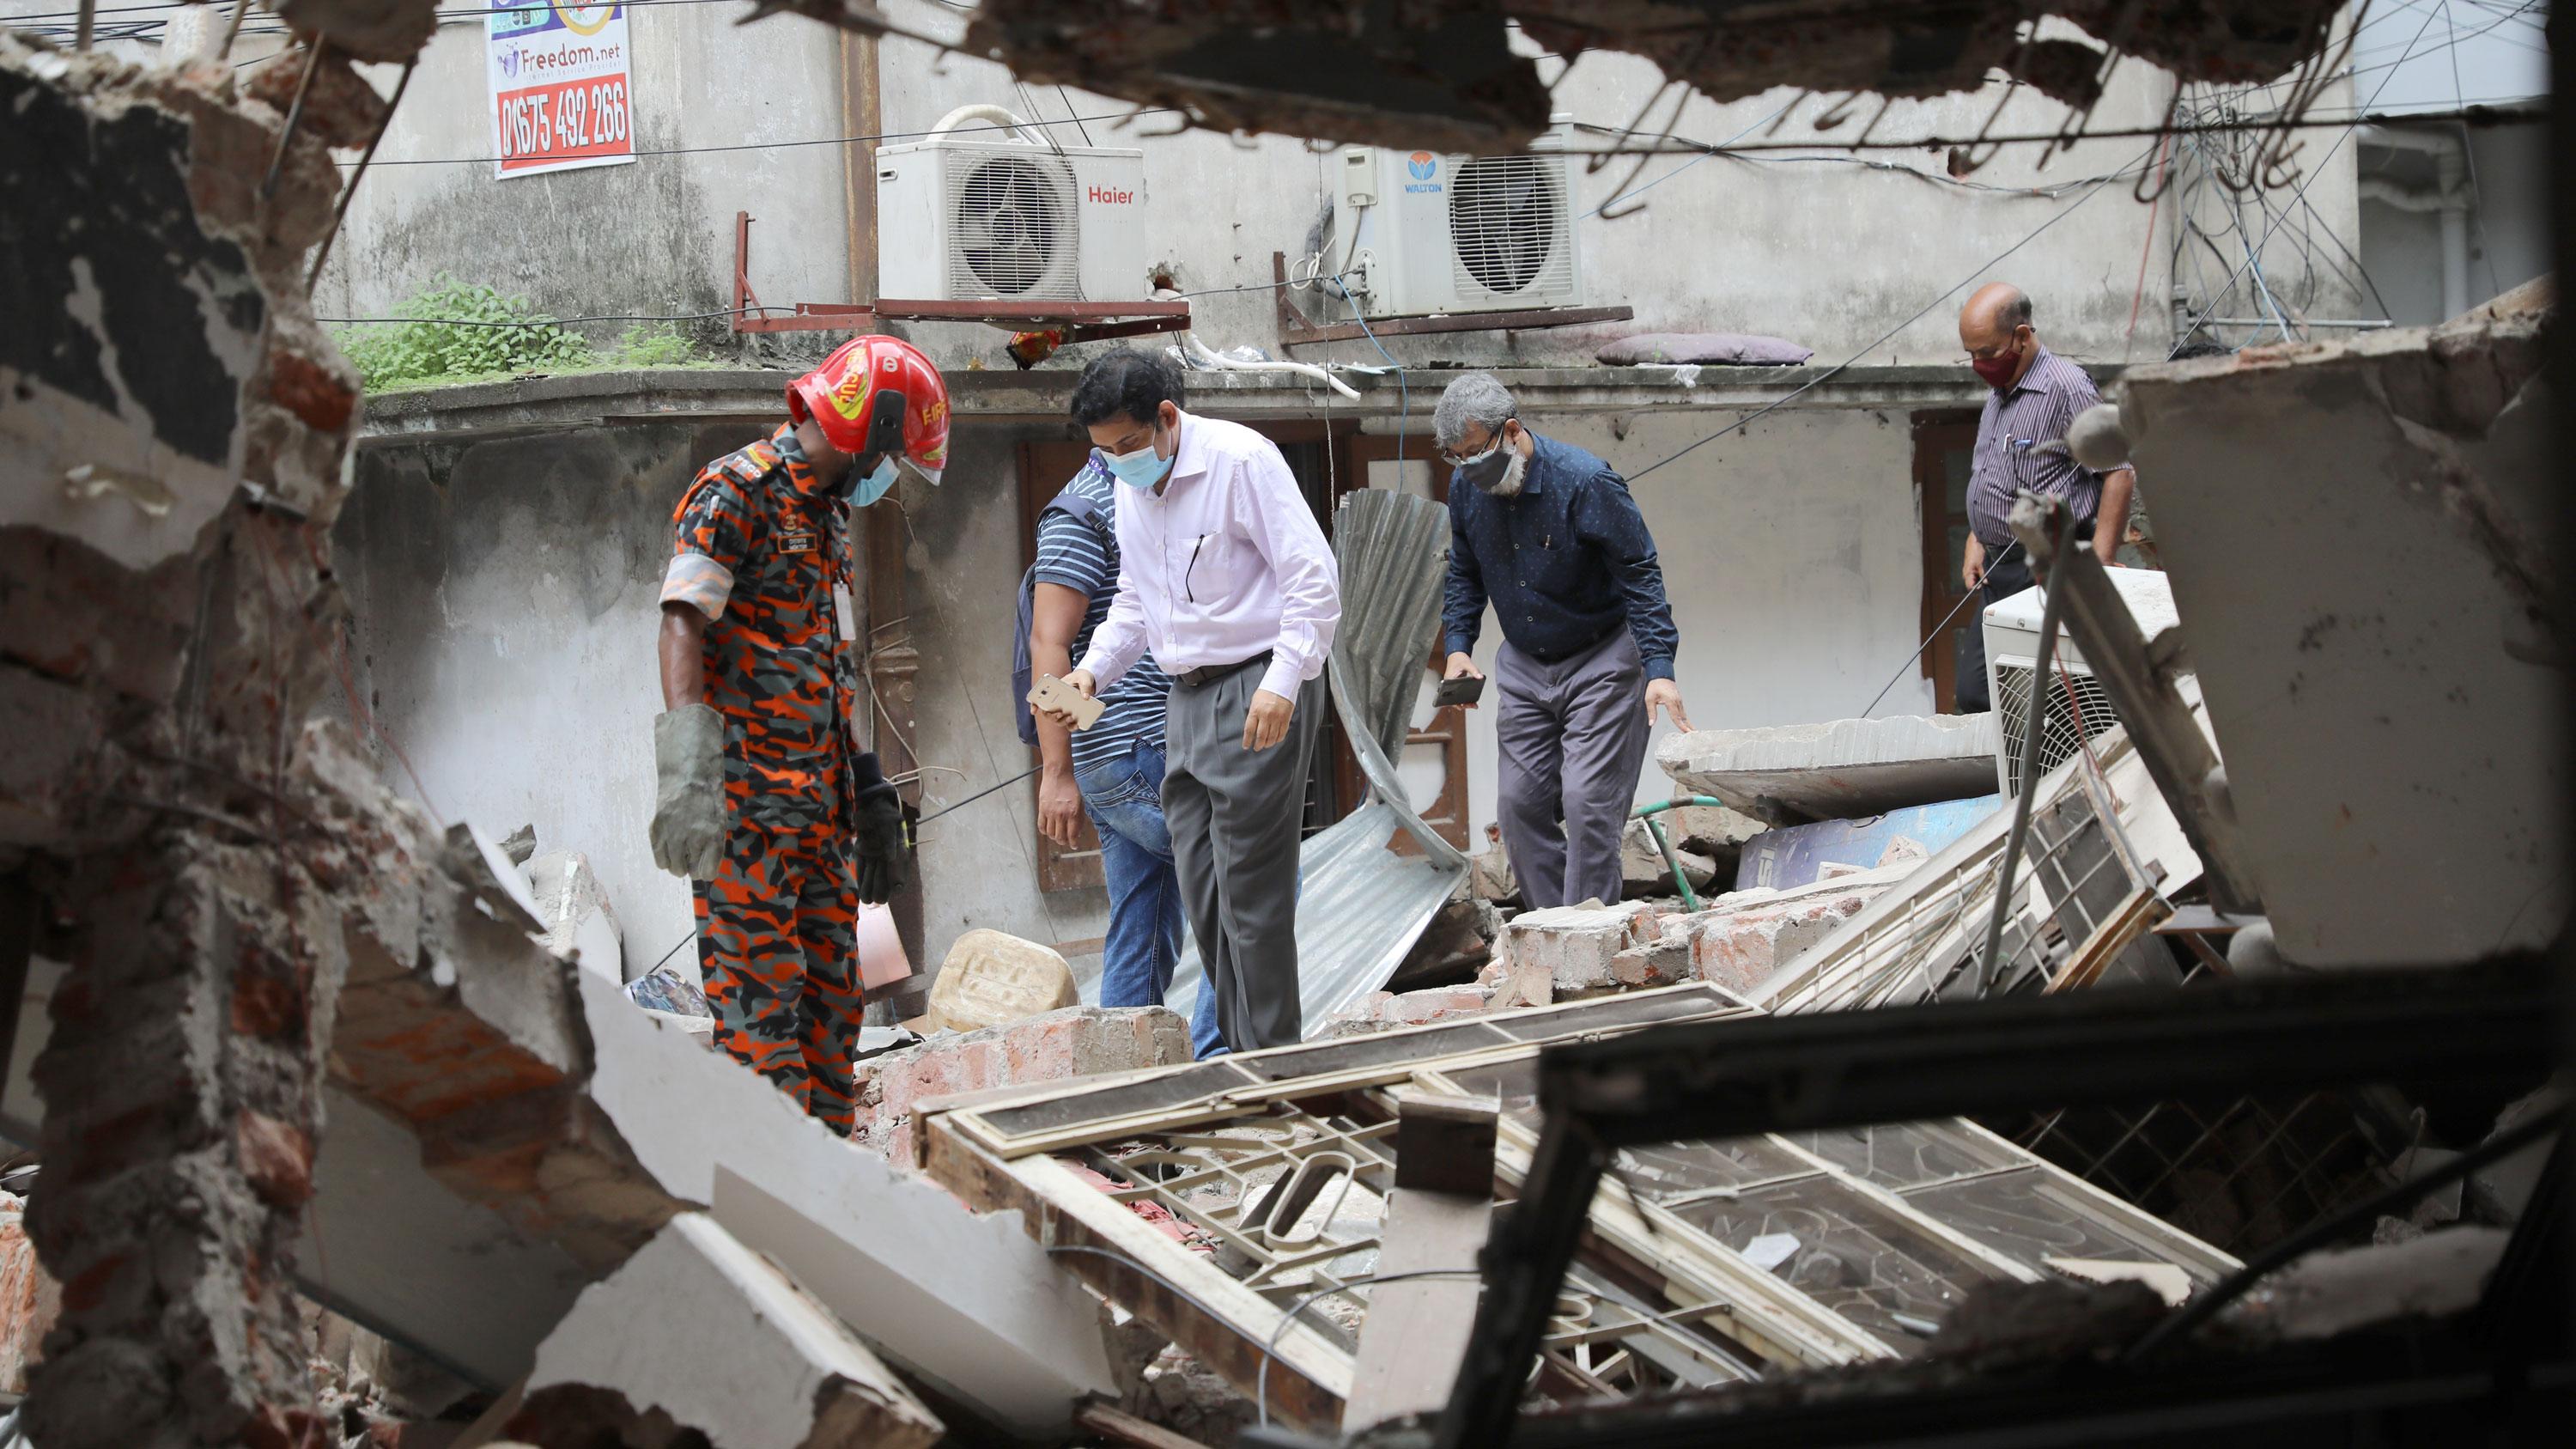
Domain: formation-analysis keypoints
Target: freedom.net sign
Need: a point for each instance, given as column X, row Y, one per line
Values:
column 559, row 87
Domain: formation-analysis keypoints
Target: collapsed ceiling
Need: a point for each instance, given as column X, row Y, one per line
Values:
column 1441, row 73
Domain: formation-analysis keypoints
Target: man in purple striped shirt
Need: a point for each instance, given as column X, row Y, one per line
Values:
column 2036, row 395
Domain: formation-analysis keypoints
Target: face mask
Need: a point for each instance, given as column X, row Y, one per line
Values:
column 1997, row 371
column 1142, row 468
column 868, row 487
column 1497, row 470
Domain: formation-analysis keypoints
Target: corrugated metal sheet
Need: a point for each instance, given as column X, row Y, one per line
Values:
column 1359, row 905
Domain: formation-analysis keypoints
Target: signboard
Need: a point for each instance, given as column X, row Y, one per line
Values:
column 559, row 86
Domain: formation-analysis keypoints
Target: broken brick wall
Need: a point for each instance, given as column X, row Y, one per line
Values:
column 173, row 428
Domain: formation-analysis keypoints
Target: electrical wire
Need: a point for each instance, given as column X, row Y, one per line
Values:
column 1926, row 310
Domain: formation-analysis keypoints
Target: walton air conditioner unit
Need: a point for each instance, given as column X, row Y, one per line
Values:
column 985, row 210
column 1419, row 232
column 2077, row 709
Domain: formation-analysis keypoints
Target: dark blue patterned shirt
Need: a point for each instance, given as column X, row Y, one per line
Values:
column 1564, row 561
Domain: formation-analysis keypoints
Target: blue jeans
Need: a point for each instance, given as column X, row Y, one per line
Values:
column 1124, row 798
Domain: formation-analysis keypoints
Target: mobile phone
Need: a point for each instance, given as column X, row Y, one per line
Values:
column 1465, row 689
column 1051, row 693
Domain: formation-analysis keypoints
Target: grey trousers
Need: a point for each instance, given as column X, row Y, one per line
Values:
column 1234, row 815
column 1572, row 736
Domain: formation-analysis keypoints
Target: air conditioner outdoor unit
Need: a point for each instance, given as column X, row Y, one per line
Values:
column 993, row 212
column 2077, row 710
column 1419, row 232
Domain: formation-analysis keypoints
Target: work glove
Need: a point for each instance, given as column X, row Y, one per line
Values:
column 689, row 800
column 880, row 837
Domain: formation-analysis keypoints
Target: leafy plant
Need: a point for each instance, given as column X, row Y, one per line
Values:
column 459, row 330
column 653, row 344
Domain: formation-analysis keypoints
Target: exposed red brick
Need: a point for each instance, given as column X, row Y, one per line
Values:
column 309, row 391
column 276, row 1158
column 264, row 1006
column 89, row 1286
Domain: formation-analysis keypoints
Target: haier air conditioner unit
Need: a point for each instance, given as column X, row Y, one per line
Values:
column 2077, row 709
column 987, row 210
column 1417, row 232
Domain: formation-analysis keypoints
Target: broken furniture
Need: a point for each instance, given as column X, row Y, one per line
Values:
column 1237, row 1205
column 1831, row 1072
column 1360, row 903
column 1839, row 769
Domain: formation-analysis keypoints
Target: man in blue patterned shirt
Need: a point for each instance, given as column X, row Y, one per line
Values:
column 1548, row 533
column 1112, row 771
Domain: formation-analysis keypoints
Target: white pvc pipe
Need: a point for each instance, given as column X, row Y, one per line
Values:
column 998, row 115
column 1200, row 353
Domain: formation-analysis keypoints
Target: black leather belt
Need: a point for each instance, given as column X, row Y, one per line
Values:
column 1209, row 674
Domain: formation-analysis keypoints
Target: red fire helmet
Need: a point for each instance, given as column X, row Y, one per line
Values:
column 877, row 395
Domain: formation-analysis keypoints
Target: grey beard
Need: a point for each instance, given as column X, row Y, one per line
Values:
column 1510, row 481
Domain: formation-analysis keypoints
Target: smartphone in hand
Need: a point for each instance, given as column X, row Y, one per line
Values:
column 1465, row 689
column 1053, row 694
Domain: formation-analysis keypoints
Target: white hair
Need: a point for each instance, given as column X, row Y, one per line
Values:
column 1477, row 398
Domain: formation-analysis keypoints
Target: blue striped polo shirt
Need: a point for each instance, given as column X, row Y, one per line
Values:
column 1083, row 556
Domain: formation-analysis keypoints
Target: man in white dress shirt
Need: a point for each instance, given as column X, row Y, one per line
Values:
column 1225, row 577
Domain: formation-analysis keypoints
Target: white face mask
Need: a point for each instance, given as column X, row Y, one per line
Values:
column 868, row 487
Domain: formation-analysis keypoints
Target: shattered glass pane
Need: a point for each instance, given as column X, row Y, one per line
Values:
column 1669, row 1170
column 1852, row 1255
column 1900, row 1155
column 2028, row 1216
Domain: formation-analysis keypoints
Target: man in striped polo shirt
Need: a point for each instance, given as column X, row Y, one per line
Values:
column 1112, row 771
column 2036, row 395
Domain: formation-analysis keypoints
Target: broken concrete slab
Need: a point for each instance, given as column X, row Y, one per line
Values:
column 2385, row 691
column 967, row 1303
column 1645, row 875
column 1839, row 769
column 1077, row 1041
column 700, row 1333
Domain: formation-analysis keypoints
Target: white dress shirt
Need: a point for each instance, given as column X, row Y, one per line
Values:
column 1223, row 562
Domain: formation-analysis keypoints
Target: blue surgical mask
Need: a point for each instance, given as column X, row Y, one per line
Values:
column 1140, row 469
column 868, row 487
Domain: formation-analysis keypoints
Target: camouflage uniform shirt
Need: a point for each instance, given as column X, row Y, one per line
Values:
column 764, row 552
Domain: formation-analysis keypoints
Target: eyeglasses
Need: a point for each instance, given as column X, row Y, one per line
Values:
column 1464, row 451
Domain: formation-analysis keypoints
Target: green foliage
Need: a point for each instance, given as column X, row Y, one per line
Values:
column 653, row 344
column 511, row 337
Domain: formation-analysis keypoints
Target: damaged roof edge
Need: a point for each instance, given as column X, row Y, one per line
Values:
column 539, row 404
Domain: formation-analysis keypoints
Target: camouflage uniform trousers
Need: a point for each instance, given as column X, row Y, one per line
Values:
column 778, row 936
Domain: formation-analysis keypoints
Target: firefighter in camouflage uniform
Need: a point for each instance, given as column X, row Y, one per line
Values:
column 764, row 797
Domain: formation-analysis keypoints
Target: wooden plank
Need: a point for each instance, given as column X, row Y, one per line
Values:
column 1125, row 1428
column 1417, row 1329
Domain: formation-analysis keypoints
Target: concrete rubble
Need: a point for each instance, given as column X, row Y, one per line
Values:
column 1839, row 770
column 1075, row 1041
column 697, row 1332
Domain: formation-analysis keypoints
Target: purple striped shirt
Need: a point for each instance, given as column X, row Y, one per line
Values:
column 2007, row 460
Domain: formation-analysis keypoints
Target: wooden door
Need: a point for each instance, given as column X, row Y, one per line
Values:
column 1943, row 446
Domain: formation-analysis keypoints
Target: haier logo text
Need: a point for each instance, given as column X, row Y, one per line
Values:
column 1109, row 196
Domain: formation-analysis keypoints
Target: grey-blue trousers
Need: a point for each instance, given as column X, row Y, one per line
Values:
column 1572, row 736
column 1234, row 816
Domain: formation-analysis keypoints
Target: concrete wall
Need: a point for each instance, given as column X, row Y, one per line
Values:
column 1826, row 251
column 2508, row 228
